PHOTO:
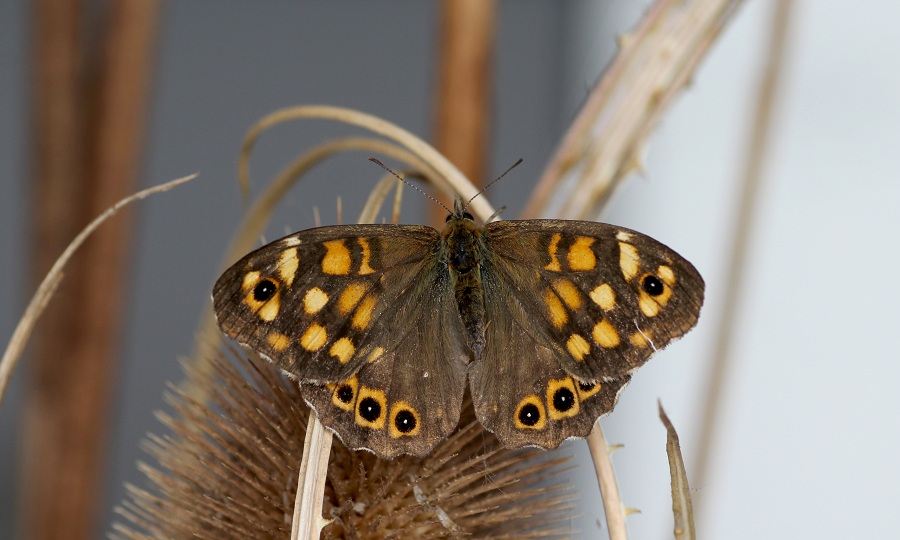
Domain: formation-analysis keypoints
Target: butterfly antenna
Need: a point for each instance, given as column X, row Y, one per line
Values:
column 492, row 182
column 415, row 187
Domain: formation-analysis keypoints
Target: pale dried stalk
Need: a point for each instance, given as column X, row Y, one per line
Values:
column 606, row 478
column 757, row 155
column 307, row 522
column 602, row 146
column 26, row 324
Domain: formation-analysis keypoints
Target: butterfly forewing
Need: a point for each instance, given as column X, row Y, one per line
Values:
column 606, row 298
column 320, row 302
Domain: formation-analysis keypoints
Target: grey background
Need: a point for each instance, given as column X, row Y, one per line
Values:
column 809, row 435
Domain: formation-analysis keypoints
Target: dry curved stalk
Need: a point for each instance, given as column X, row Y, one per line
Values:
column 45, row 291
column 448, row 177
column 308, row 522
column 656, row 60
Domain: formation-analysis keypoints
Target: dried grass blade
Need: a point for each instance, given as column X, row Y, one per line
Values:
column 45, row 290
column 681, row 492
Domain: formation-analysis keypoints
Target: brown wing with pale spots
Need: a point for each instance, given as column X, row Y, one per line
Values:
column 570, row 303
column 315, row 302
column 610, row 297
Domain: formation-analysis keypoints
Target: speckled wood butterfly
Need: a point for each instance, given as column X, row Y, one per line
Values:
column 383, row 325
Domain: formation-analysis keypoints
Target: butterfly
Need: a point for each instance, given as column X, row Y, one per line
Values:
column 386, row 326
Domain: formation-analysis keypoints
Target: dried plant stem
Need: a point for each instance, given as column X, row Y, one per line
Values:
column 606, row 479
column 308, row 522
column 602, row 146
column 23, row 330
column 769, row 85
column 464, row 84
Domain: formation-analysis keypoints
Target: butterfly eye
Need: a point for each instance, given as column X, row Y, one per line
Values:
column 264, row 290
column 652, row 285
column 468, row 216
column 449, row 217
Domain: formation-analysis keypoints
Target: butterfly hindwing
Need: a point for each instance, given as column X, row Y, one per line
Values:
column 408, row 399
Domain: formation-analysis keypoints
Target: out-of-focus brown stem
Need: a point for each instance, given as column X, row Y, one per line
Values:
column 86, row 147
column 464, row 84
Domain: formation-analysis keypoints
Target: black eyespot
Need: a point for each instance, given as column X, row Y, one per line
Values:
column 345, row 393
column 468, row 216
column 264, row 290
column 586, row 386
column 405, row 421
column 529, row 414
column 652, row 285
column 563, row 400
column 369, row 409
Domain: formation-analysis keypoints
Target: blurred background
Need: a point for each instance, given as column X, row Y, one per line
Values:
column 807, row 437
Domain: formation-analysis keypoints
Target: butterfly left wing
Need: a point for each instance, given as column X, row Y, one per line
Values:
column 358, row 314
column 570, row 302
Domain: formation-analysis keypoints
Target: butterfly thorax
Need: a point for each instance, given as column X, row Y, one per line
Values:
column 462, row 245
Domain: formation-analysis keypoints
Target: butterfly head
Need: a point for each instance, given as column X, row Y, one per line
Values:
column 459, row 211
